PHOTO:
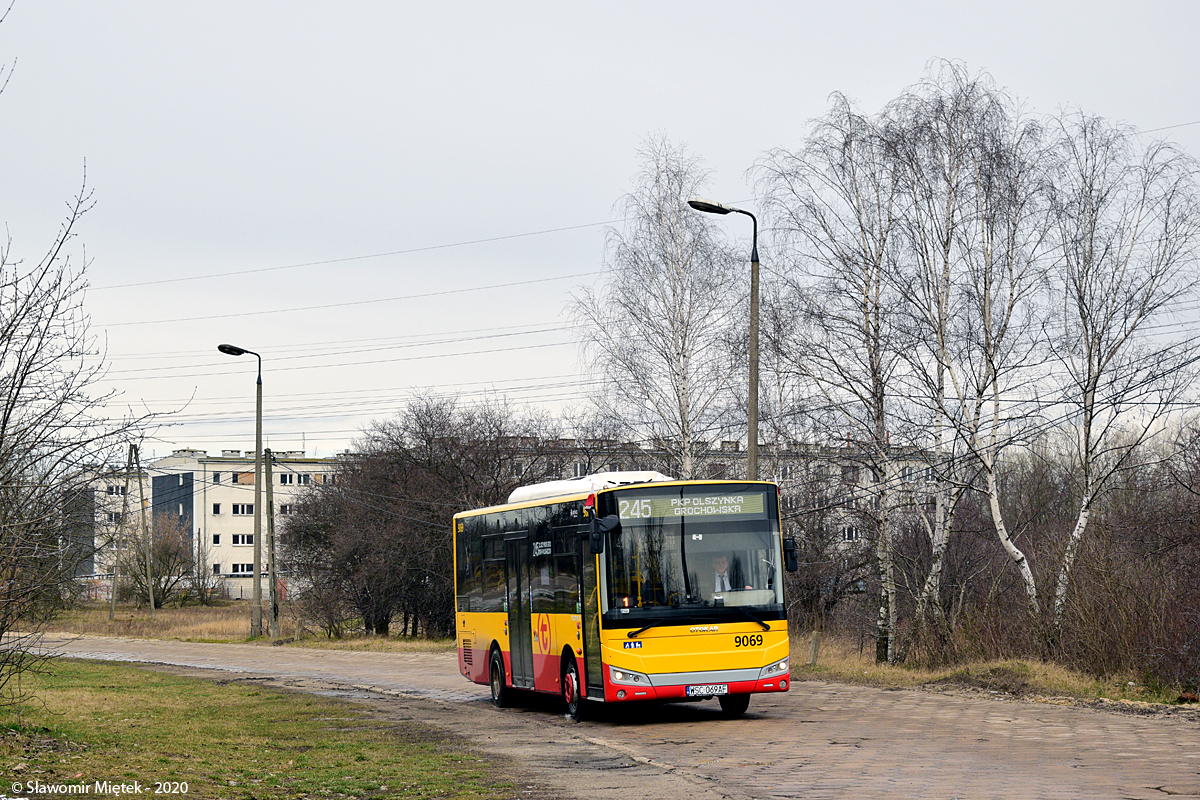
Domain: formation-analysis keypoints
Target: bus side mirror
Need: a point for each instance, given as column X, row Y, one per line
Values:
column 790, row 562
column 600, row 529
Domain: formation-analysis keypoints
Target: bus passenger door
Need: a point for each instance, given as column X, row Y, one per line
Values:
column 516, row 552
column 590, row 588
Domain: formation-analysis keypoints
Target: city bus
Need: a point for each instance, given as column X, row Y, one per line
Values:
column 625, row 587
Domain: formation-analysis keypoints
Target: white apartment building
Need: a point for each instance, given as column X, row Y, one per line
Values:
column 208, row 498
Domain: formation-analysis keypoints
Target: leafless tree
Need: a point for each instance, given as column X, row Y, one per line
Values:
column 375, row 540
column 659, row 330
column 976, row 225
column 203, row 584
column 53, row 432
column 832, row 207
column 172, row 561
column 1127, row 225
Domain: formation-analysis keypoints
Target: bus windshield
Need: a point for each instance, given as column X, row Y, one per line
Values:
column 694, row 546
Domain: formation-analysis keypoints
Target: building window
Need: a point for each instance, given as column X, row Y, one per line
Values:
column 303, row 479
column 241, row 569
column 908, row 473
column 216, row 479
column 849, row 533
column 244, row 478
column 216, row 569
column 579, row 469
column 216, row 509
column 115, row 490
column 286, row 479
column 216, row 539
column 243, row 509
column 285, row 509
column 850, row 474
column 243, row 538
column 114, row 517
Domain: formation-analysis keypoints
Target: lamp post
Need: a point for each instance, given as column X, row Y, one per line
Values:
column 710, row 207
column 256, row 601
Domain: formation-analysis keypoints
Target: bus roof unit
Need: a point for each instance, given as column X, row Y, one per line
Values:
column 588, row 484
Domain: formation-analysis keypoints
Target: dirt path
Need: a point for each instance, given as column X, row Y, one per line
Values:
column 819, row 740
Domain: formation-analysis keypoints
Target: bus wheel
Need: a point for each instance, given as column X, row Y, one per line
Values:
column 734, row 705
column 570, row 691
column 501, row 696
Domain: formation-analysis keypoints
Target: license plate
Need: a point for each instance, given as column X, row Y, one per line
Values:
column 708, row 690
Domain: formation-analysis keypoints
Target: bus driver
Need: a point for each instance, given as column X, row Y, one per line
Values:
column 722, row 580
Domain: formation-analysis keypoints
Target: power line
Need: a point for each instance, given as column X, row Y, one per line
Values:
column 305, row 347
column 346, row 259
column 332, row 353
column 1169, row 127
column 445, row 390
column 353, row 302
column 349, row 363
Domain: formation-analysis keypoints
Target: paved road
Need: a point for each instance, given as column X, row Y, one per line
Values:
column 820, row 740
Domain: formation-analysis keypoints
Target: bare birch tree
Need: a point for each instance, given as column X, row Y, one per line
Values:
column 659, row 328
column 832, row 207
column 1127, row 225
column 930, row 130
column 977, row 227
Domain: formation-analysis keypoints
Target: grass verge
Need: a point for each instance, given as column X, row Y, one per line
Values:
column 105, row 722
column 841, row 661
column 227, row 622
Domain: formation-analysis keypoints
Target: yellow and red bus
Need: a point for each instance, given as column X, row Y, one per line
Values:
column 624, row 587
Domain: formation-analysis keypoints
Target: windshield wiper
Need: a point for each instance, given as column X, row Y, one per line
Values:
column 765, row 626
column 633, row 634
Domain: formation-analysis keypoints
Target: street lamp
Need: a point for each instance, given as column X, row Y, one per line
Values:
column 256, row 601
column 710, row 207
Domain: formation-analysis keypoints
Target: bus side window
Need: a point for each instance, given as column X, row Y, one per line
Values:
column 493, row 574
column 541, row 576
column 463, row 564
column 475, row 549
column 566, row 573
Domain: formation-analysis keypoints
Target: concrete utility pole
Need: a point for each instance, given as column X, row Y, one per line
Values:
column 120, row 533
column 273, row 592
column 146, row 537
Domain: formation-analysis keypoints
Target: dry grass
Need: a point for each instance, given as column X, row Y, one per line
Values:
column 223, row 623
column 228, row 622
column 841, row 661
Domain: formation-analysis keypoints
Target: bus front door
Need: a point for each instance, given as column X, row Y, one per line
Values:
column 520, row 639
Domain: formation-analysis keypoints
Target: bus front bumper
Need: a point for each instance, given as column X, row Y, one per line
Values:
column 620, row 685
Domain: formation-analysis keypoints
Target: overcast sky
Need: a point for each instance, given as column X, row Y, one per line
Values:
column 383, row 198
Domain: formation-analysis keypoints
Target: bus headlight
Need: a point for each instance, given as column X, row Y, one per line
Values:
column 626, row 677
column 780, row 667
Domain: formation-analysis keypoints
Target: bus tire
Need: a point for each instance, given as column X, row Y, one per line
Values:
column 734, row 705
column 501, row 695
column 570, row 691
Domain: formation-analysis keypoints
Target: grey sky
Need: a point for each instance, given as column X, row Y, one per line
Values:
column 232, row 137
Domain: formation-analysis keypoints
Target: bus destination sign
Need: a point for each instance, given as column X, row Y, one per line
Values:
column 706, row 506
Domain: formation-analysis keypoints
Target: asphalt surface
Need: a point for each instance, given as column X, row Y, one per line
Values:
column 819, row 740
